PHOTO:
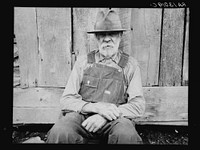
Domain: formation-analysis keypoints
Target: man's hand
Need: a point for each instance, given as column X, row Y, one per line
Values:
column 94, row 123
column 108, row 110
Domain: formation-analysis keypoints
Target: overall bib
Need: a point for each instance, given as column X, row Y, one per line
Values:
column 103, row 83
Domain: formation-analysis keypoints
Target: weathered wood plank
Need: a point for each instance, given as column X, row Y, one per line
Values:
column 83, row 21
column 35, row 115
column 80, row 27
column 164, row 105
column 37, row 97
column 186, row 50
column 125, row 18
column 25, row 29
column 145, row 42
column 176, row 123
column 54, row 31
column 172, row 47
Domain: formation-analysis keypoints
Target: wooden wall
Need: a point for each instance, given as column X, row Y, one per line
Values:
column 43, row 38
column 50, row 39
column 156, row 38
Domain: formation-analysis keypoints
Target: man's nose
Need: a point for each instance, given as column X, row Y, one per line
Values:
column 107, row 38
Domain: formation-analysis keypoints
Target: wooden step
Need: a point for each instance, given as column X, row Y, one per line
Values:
column 164, row 105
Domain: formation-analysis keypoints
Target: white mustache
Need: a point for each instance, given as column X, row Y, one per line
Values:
column 105, row 46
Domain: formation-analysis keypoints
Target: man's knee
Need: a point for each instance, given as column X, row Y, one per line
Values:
column 68, row 123
column 124, row 132
column 65, row 130
column 123, row 127
column 71, row 118
column 64, row 135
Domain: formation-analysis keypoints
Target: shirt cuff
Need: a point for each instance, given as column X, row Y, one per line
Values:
column 76, row 107
column 81, row 111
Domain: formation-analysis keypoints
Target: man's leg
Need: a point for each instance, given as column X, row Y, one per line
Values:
column 122, row 131
column 68, row 129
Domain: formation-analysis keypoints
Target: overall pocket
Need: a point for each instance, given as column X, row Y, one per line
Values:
column 111, row 90
column 88, row 87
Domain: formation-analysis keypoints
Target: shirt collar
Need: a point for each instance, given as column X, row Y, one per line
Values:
column 100, row 58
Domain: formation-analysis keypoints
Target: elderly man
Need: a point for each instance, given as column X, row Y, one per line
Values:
column 104, row 92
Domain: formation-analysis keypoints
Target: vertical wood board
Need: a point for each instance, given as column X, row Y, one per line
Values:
column 25, row 30
column 83, row 21
column 54, row 31
column 125, row 18
column 172, row 47
column 186, row 50
column 92, row 21
column 145, row 42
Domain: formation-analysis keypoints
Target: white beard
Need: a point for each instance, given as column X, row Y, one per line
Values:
column 108, row 51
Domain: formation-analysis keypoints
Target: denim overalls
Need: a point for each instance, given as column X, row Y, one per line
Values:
column 100, row 83
column 103, row 83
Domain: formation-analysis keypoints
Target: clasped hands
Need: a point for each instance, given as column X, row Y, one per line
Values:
column 104, row 112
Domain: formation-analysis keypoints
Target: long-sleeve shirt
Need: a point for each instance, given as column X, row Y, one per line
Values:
column 71, row 100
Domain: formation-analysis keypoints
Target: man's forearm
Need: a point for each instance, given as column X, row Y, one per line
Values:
column 90, row 108
column 107, row 110
column 134, row 108
column 72, row 103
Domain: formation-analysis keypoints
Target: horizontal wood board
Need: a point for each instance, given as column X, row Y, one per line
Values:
column 41, row 105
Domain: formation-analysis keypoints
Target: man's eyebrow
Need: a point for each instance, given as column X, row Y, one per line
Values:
column 108, row 33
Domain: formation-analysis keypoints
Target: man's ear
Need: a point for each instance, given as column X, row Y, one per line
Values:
column 121, row 34
column 96, row 38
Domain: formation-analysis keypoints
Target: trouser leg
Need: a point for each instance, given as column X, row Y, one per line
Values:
column 122, row 131
column 68, row 129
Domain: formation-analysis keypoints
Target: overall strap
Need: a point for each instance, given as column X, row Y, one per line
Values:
column 122, row 63
column 91, row 57
column 123, row 60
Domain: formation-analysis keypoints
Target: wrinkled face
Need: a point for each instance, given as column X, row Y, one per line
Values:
column 108, row 43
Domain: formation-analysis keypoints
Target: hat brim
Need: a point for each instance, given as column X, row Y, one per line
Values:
column 99, row 31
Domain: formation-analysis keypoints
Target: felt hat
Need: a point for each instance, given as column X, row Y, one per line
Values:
column 107, row 22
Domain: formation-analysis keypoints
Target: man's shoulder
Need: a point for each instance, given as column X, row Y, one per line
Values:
column 132, row 64
column 82, row 58
column 132, row 61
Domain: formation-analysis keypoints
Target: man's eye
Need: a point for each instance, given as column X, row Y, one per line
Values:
column 100, row 35
column 114, row 34
column 111, row 34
